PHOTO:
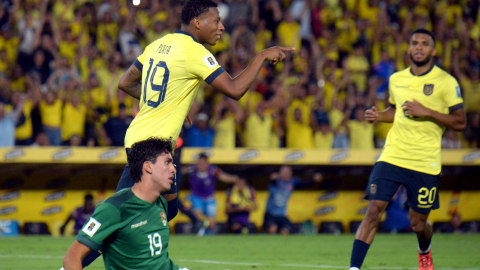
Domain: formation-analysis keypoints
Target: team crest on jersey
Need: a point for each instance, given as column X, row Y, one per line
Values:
column 373, row 189
column 164, row 219
column 428, row 89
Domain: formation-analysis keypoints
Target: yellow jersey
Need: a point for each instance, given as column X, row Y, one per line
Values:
column 361, row 135
column 415, row 143
column 172, row 69
column 73, row 121
column 51, row 113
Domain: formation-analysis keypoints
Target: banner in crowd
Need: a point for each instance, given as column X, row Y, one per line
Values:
column 116, row 155
column 54, row 207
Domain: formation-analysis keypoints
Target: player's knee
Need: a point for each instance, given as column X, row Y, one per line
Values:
column 418, row 226
column 373, row 215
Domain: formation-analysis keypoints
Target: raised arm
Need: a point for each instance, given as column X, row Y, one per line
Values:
column 131, row 82
column 75, row 254
column 238, row 86
column 227, row 178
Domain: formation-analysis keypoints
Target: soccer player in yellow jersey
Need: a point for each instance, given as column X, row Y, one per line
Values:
column 424, row 100
column 166, row 77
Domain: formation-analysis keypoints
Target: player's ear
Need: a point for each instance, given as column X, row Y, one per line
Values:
column 147, row 166
column 196, row 23
column 434, row 51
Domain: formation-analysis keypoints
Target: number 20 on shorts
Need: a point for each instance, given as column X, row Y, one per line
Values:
column 426, row 196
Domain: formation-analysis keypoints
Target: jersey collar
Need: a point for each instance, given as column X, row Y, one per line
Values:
column 185, row 33
column 423, row 74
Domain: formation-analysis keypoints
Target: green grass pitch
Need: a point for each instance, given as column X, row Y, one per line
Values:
column 263, row 252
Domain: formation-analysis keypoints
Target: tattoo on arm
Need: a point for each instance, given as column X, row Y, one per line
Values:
column 131, row 82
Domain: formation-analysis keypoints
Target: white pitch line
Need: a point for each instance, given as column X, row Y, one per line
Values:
column 247, row 263
column 31, row 256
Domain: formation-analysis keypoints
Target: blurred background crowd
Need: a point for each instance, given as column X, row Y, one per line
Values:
column 60, row 63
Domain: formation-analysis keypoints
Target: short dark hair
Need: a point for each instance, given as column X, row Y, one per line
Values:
column 88, row 197
column 423, row 31
column 193, row 8
column 203, row 155
column 147, row 150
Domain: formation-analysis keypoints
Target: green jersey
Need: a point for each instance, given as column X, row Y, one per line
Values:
column 130, row 233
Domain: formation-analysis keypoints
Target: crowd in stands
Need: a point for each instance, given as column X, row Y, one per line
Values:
column 60, row 63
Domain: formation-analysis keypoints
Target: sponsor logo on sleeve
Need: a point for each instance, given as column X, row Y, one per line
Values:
column 248, row 155
column 91, row 227
column 10, row 196
column 109, row 154
column 52, row 210
column 294, row 156
column 459, row 93
column 62, row 154
column 210, row 61
column 373, row 189
column 15, row 154
column 8, row 210
column 55, row 196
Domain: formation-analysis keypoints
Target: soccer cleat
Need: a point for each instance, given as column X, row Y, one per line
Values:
column 425, row 261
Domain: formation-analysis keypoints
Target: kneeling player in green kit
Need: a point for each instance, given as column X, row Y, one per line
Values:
column 130, row 228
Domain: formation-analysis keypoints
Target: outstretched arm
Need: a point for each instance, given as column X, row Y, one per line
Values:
column 131, row 82
column 227, row 178
column 236, row 87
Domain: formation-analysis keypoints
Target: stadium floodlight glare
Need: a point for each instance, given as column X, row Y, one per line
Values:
column 136, row 2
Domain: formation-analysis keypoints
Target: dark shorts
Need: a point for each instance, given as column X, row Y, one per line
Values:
column 281, row 222
column 422, row 188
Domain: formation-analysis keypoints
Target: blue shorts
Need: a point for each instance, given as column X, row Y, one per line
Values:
column 208, row 206
column 281, row 222
column 422, row 188
column 127, row 182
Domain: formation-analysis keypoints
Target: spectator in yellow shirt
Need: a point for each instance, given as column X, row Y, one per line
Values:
column 360, row 132
column 73, row 124
column 258, row 127
column 299, row 130
column 323, row 136
column 358, row 65
column 228, row 115
column 51, row 112
column 288, row 32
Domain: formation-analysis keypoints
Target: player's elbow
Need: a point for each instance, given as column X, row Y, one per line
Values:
column 122, row 85
column 235, row 95
column 460, row 126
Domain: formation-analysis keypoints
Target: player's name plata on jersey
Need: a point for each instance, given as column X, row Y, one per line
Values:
column 163, row 49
